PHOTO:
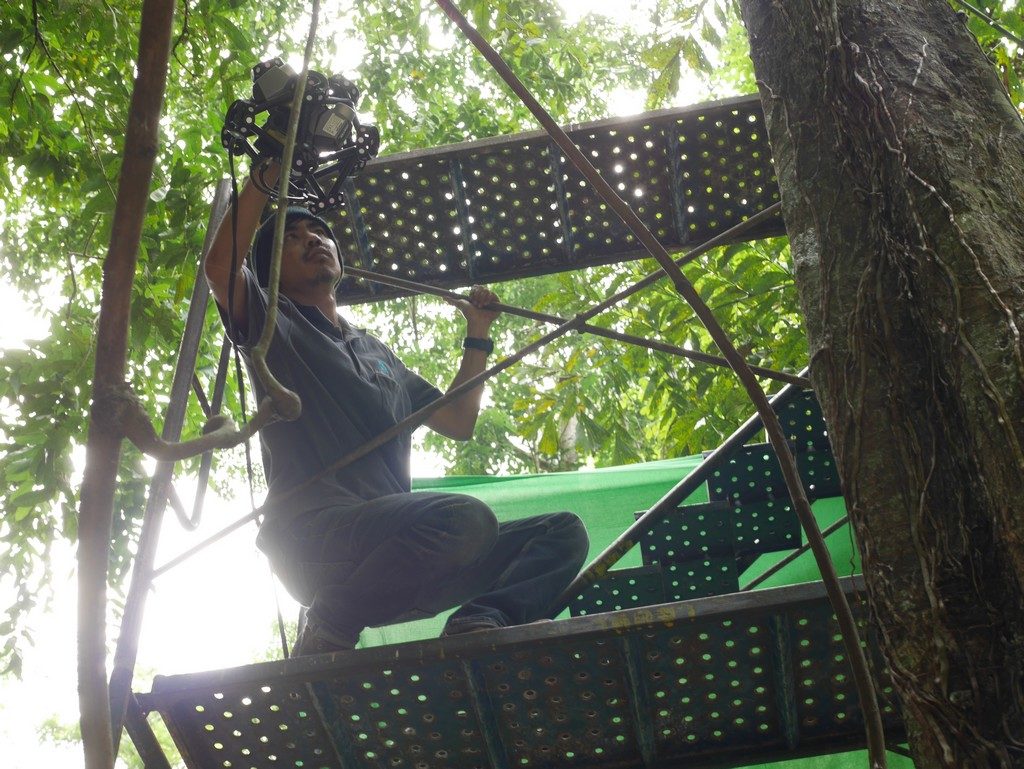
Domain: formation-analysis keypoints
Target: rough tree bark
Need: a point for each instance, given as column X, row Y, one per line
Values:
column 901, row 165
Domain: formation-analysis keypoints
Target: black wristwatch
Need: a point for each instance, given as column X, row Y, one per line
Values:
column 478, row 343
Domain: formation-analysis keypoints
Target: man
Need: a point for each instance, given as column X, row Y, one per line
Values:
column 357, row 547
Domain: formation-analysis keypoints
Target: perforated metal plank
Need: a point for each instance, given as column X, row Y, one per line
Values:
column 565, row 705
column 803, row 423
column 633, row 159
column 689, row 532
column 694, row 545
column 752, row 474
column 713, row 689
column 621, row 589
column 509, row 207
column 819, row 473
column 724, row 166
column 689, row 684
column 659, row 583
column 252, row 724
column 700, row 577
column 744, row 528
column 419, row 716
column 826, row 699
column 765, row 526
column 512, row 205
column 410, row 222
column 807, row 433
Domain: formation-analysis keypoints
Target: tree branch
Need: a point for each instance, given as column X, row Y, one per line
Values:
column 121, row 412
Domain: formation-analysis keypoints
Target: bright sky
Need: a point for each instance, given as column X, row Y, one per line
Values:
column 216, row 611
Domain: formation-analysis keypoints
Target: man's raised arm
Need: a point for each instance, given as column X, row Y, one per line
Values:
column 458, row 418
column 217, row 267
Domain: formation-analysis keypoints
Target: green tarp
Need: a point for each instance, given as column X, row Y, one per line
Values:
column 607, row 501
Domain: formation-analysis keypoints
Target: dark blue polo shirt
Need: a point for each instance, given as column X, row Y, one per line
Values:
column 352, row 388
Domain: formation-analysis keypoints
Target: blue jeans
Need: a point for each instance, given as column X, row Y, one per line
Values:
column 409, row 556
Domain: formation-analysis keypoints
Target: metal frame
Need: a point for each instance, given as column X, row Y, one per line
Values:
column 671, row 500
column 126, row 650
column 144, row 572
column 467, row 645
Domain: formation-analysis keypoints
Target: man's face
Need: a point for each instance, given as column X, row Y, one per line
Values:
column 309, row 260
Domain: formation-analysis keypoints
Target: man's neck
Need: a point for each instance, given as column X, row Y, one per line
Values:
column 323, row 301
column 329, row 307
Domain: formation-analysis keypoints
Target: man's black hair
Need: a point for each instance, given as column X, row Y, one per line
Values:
column 259, row 256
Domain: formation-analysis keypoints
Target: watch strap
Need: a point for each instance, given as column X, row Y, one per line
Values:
column 478, row 343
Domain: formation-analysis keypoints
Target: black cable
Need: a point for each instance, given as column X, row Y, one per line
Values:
column 239, row 376
column 234, row 250
column 240, row 379
column 990, row 21
column 204, row 403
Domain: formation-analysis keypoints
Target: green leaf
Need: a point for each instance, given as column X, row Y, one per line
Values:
column 694, row 55
column 549, row 438
column 665, row 85
column 660, row 55
column 709, row 34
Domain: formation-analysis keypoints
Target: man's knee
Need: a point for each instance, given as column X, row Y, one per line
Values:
column 464, row 529
column 572, row 534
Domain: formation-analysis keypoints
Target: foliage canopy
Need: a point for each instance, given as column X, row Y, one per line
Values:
column 66, row 73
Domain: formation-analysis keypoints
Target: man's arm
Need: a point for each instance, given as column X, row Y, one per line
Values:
column 218, row 260
column 458, row 418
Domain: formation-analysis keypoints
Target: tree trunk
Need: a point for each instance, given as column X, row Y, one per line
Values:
column 901, row 165
column 103, row 445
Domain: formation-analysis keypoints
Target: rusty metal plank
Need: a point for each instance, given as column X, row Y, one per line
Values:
column 696, row 683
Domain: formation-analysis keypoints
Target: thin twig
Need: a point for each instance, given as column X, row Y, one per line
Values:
column 184, row 31
column 73, row 92
column 36, row 37
column 991, row 22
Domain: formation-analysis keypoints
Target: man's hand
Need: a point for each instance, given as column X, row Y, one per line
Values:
column 478, row 319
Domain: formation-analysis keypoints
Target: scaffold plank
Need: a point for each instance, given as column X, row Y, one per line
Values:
column 699, row 683
column 510, row 207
